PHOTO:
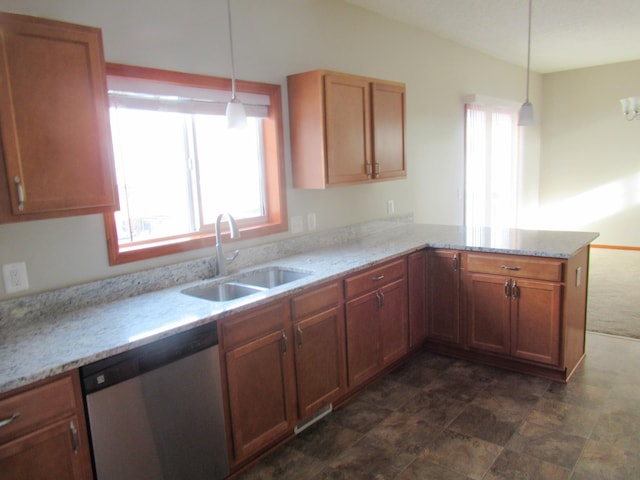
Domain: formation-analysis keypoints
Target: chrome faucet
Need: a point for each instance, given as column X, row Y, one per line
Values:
column 221, row 260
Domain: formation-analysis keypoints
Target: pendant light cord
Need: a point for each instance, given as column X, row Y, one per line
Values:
column 528, row 50
column 233, row 68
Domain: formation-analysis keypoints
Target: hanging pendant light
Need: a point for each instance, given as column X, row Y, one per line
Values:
column 526, row 111
column 236, row 114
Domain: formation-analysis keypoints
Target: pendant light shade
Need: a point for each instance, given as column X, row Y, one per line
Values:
column 525, row 117
column 236, row 114
column 526, row 111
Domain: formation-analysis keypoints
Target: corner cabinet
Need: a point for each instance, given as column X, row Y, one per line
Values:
column 43, row 432
column 56, row 158
column 345, row 129
column 444, row 297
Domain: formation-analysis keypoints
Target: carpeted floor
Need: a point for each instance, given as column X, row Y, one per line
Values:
column 614, row 292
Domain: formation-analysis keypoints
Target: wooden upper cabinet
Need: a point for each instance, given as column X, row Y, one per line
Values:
column 348, row 139
column 388, row 130
column 345, row 129
column 56, row 157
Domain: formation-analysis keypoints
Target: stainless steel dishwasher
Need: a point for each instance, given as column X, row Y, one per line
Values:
column 155, row 412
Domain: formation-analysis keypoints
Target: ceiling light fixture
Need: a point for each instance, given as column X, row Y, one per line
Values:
column 236, row 114
column 631, row 107
column 526, row 111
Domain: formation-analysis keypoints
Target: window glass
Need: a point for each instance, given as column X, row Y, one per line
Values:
column 178, row 166
column 491, row 172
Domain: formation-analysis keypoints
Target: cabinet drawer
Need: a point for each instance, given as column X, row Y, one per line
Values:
column 316, row 301
column 36, row 407
column 516, row 266
column 375, row 277
column 244, row 327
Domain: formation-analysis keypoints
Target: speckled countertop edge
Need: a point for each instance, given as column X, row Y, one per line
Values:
column 37, row 342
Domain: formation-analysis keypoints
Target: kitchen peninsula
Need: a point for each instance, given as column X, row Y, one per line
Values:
column 52, row 332
column 375, row 293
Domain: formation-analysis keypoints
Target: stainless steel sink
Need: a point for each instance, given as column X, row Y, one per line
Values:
column 245, row 284
column 222, row 292
column 270, row 277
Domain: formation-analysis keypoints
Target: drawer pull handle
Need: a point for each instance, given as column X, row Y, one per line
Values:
column 8, row 420
column 300, row 338
column 74, row 437
column 21, row 194
column 508, row 267
column 285, row 343
column 455, row 262
column 378, row 278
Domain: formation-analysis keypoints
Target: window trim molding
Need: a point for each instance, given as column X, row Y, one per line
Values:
column 275, row 180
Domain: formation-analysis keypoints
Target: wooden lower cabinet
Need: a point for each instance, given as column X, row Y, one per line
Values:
column 514, row 317
column 518, row 312
column 417, row 282
column 444, row 296
column 259, row 374
column 47, row 438
column 318, row 318
column 377, row 320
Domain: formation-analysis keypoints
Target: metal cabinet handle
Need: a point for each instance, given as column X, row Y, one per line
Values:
column 368, row 169
column 6, row 421
column 21, row 192
column 376, row 170
column 507, row 289
column 285, row 342
column 508, row 267
column 300, row 337
column 380, row 297
column 515, row 290
column 74, row 437
column 455, row 262
column 377, row 278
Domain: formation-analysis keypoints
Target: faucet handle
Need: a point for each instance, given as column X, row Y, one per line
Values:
column 233, row 256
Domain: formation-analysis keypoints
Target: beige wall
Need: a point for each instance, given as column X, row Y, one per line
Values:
column 590, row 158
column 275, row 38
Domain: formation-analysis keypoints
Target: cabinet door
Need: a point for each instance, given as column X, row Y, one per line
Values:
column 347, row 120
column 417, row 278
column 388, row 130
column 364, row 348
column 535, row 321
column 54, row 118
column 488, row 302
column 259, row 376
column 444, row 296
column 45, row 454
column 320, row 360
column 394, row 321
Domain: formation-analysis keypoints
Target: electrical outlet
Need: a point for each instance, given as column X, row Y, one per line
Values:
column 311, row 221
column 391, row 208
column 15, row 277
column 297, row 224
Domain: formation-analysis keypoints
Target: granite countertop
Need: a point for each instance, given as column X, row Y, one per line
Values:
column 38, row 340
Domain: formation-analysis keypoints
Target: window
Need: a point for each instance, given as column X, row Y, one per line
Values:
column 491, row 171
column 178, row 166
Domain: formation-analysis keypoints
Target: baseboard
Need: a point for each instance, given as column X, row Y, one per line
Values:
column 615, row 247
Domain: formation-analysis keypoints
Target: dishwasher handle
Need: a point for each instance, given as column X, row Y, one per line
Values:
column 121, row 367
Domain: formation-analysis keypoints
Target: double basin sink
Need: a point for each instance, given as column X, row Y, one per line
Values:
column 245, row 284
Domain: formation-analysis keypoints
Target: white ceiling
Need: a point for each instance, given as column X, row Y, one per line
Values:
column 565, row 34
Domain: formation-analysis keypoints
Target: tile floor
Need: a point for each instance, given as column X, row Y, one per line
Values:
column 439, row 418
